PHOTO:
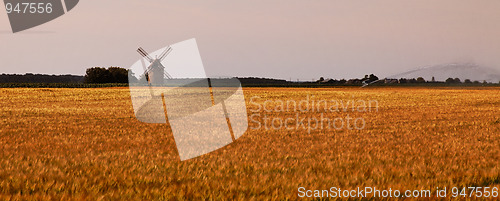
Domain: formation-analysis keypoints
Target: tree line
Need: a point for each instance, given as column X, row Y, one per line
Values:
column 100, row 75
column 40, row 78
column 373, row 78
column 106, row 75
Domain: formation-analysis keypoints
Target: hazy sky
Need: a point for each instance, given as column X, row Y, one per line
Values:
column 294, row 39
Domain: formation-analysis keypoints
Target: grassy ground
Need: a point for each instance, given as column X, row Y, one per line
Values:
column 86, row 144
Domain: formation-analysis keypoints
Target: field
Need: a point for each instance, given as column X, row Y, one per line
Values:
column 86, row 144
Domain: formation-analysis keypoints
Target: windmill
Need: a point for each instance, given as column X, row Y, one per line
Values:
column 155, row 72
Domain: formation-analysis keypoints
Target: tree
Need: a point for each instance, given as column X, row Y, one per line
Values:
column 450, row 80
column 373, row 78
column 103, row 75
column 118, row 75
column 467, row 81
column 420, row 80
column 457, row 80
column 96, row 75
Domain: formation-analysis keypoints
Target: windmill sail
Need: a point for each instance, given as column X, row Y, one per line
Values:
column 144, row 54
column 164, row 53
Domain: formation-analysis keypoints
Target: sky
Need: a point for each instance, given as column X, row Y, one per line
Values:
column 287, row 39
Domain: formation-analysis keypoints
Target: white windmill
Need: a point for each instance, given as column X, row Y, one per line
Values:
column 155, row 73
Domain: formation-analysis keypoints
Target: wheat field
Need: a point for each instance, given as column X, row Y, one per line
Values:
column 85, row 144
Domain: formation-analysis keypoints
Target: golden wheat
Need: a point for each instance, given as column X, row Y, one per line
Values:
column 74, row 144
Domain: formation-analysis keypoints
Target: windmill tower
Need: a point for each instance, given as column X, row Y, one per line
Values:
column 155, row 73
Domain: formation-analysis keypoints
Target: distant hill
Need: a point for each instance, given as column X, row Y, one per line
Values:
column 463, row 71
column 40, row 78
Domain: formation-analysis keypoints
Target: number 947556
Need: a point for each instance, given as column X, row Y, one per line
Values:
column 33, row 8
